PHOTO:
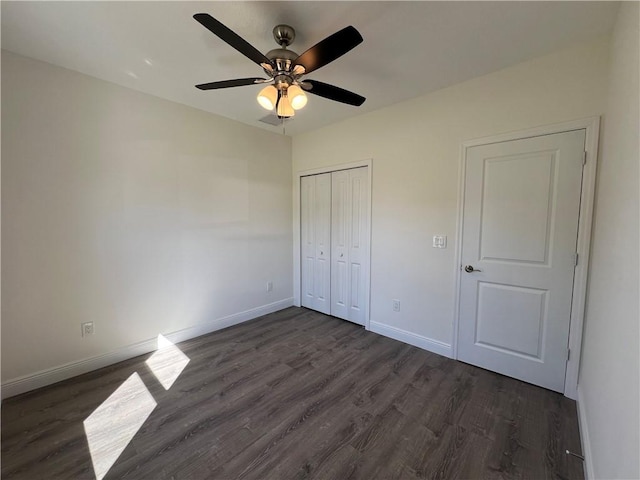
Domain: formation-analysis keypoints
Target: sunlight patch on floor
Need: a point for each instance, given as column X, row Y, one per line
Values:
column 167, row 362
column 114, row 423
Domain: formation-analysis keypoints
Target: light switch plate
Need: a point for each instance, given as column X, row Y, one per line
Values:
column 439, row 241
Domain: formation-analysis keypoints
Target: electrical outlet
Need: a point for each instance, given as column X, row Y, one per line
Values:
column 396, row 305
column 87, row 328
column 269, row 286
column 439, row 241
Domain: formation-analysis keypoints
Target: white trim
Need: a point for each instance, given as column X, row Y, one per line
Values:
column 591, row 126
column 584, row 249
column 419, row 341
column 296, row 228
column 458, row 250
column 584, row 123
column 63, row 372
column 584, row 437
column 335, row 168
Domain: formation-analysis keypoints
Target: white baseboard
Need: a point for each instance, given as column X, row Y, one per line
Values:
column 425, row 343
column 584, row 436
column 62, row 372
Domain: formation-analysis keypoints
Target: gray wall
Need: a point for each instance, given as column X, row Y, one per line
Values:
column 610, row 369
column 138, row 214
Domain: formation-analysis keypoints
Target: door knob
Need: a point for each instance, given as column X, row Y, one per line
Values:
column 470, row 269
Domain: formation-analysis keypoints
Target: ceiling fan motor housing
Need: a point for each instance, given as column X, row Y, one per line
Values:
column 281, row 58
column 284, row 35
column 282, row 61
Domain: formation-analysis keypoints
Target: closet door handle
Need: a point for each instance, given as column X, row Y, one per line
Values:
column 341, row 255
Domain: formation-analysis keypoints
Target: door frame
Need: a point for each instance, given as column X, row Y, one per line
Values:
column 297, row 277
column 591, row 125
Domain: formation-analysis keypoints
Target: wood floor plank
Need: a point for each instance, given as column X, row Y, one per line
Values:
column 300, row 395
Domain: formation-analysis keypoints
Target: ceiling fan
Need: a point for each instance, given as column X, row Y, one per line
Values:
column 285, row 68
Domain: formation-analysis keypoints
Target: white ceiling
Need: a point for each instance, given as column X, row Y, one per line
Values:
column 409, row 48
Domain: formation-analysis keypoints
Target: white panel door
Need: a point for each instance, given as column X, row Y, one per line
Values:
column 358, row 243
column 339, row 241
column 520, row 225
column 315, row 236
column 350, row 244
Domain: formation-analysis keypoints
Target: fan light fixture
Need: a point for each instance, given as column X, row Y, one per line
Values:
column 268, row 97
column 297, row 97
column 292, row 98
column 284, row 108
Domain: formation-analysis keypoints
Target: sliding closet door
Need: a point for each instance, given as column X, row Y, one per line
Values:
column 349, row 244
column 315, row 205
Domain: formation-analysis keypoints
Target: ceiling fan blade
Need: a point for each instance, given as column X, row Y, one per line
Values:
column 238, row 82
column 332, row 47
column 232, row 38
column 333, row 93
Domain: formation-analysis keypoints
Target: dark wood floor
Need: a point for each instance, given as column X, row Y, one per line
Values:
column 296, row 395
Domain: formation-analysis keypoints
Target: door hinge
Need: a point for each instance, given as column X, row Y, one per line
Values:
column 584, row 158
column 576, row 260
column 568, row 354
